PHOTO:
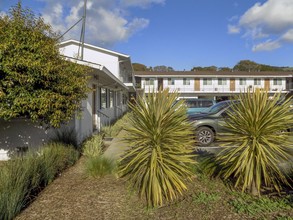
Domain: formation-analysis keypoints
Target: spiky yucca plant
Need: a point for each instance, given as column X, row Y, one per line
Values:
column 257, row 128
column 161, row 145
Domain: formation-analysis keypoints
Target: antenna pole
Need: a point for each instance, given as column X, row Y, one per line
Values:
column 83, row 30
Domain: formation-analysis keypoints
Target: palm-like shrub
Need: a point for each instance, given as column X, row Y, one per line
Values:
column 161, row 146
column 258, row 133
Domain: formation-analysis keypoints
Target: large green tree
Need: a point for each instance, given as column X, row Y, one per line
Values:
column 35, row 80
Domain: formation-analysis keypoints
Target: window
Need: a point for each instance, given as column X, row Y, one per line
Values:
column 152, row 80
column 257, row 82
column 222, row 82
column 207, row 81
column 111, row 94
column 103, row 100
column 147, row 81
column 186, row 81
column 171, row 81
column 242, row 81
column 124, row 99
column 277, row 82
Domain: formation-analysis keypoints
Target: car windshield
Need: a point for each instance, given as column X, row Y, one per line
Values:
column 217, row 107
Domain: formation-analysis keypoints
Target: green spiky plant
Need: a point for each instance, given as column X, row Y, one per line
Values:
column 258, row 131
column 161, row 145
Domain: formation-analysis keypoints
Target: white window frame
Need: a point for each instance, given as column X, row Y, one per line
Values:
column 256, row 82
column 186, row 81
column 171, row 82
column 277, row 82
column 222, row 81
column 242, row 81
column 152, row 81
column 207, row 81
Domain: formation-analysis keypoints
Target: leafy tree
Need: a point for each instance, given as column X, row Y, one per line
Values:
column 257, row 128
column 208, row 68
column 35, row 81
column 163, row 69
column 160, row 139
column 246, row 65
column 139, row 67
column 225, row 69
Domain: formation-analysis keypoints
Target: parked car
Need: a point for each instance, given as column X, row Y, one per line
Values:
column 208, row 124
column 198, row 105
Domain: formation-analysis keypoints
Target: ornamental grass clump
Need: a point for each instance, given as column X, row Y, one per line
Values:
column 161, row 146
column 96, row 164
column 258, row 131
column 22, row 178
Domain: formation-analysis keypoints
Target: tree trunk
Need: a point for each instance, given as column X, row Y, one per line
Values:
column 253, row 188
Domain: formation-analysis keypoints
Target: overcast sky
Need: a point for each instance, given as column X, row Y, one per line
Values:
column 181, row 34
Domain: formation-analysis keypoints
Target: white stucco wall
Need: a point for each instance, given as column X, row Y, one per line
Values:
column 22, row 132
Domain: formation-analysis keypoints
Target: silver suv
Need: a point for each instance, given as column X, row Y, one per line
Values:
column 209, row 123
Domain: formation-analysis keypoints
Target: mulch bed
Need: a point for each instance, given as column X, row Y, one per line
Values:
column 75, row 196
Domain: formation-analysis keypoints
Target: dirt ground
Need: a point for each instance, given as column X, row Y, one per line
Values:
column 76, row 196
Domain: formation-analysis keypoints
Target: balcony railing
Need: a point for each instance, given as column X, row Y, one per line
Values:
column 215, row 89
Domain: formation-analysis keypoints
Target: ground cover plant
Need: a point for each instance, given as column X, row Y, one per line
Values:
column 258, row 133
column 161, row 145
column 96, row 164
column 22, row 178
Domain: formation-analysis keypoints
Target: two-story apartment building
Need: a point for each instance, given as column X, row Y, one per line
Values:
column 216, row 85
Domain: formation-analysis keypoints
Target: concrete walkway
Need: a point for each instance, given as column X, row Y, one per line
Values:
column 117, row 147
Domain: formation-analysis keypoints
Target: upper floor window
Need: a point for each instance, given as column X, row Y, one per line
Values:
column 242, row 81
column 186, row 81
column 149, row 81
column 207, row 81
column 152, row 81
column 277, row 82
column 222, row 82
column 171, row 81
column 257, row 82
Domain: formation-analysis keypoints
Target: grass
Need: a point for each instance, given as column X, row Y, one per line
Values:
column 96, row 165
column 99, row 166
column 259, row 206
column 21, row 179
column 205, row 198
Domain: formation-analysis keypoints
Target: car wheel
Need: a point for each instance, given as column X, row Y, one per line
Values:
column 205, row 136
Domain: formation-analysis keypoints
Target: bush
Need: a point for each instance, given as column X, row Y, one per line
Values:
column 66, row 136
column 257, row 131
column 161, row 146
column 21, row 179
column 93, row 146
column 99, row 166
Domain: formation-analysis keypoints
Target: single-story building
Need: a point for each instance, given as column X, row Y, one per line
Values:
column 111, row 81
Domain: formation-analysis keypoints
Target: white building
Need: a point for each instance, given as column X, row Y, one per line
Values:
column 111, row 80
column 208, row 84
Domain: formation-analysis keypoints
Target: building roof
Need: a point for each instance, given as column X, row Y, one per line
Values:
column 68, row 42
column 212, row 74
